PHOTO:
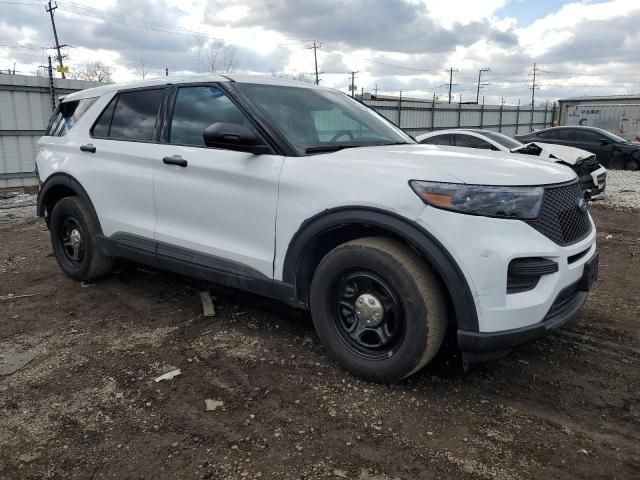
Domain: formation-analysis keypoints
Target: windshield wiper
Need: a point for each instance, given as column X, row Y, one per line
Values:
column 329, row 148
column 393, row 143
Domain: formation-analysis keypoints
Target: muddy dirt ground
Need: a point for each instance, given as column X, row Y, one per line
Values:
column 86, row 405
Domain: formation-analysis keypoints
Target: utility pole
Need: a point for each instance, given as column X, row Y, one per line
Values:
column 533, row 96
column 52, row 91
column 353, row 83
column 451, row 70
column 376, row 90
column 315, row 48
column 50, row 10
column 534, row 86
column 480, row 72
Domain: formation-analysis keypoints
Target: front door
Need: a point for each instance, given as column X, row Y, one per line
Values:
column 214, row 207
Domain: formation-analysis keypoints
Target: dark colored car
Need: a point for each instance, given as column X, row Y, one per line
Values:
column 611, row 151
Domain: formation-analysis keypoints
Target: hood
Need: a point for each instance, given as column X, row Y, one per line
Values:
column 553, row 152
column 453, row 164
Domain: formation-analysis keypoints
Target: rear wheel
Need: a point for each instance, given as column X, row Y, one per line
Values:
column 632, row 165
column 378, row 309
column 74, row 241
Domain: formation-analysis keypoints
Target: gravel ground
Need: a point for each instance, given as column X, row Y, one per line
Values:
column 623, row 190
column 78, row 397
column 16, row 205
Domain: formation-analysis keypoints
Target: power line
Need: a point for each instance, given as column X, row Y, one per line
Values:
column 136, row 22
column 377, row 62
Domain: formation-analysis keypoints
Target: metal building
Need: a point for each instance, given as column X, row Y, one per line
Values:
column 619, row 114
column 25, row 109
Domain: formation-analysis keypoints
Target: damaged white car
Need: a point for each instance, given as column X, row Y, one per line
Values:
column 593, row 177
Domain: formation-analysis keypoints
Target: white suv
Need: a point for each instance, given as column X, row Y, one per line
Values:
column 300, row 193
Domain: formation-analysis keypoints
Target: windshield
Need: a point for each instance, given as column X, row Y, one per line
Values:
column 318, row 120
column 503, row 140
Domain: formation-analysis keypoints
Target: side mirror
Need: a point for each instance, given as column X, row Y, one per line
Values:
column 604, row 142
column 233, row 136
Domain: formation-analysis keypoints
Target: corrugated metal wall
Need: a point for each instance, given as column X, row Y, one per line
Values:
column 418, row 117
column 25, row 108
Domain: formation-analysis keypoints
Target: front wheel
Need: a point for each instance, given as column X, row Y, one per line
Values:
column 74, row 240
column 378, row 308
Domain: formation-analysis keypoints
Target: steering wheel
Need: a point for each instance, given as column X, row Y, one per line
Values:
column 340, row 134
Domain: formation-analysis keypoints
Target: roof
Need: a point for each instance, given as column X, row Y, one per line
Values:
column 178, row 79
column 600, row 97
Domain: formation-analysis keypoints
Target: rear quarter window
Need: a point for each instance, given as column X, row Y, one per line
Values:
column 66, row 115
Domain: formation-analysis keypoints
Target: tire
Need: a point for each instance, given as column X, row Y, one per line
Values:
column 78, row 253
column 405, row 287
column 632, row 165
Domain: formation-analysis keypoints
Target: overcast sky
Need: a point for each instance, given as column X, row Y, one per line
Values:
column 586, row 47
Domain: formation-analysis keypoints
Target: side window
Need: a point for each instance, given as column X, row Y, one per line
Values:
column 469, row 141
column 198, row 107
column 559, row 134
column 444, row 139
column 135, row 115
column 587, row 136
column 101, row 127
column 66, row 115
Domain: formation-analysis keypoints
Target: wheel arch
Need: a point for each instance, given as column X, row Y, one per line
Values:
column 326, row 230
column 59, row 186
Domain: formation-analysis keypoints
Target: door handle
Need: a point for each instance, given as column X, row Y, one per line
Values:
column 88, row 148
column 175, row 160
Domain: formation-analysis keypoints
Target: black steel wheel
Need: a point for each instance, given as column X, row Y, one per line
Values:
column 74, row 235
column 378, row 308
column 368, row 313
column 72, row 238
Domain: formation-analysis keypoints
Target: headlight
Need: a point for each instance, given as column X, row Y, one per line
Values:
column 504, row 202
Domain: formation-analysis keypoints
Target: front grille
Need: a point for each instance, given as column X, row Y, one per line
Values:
column 561, row 219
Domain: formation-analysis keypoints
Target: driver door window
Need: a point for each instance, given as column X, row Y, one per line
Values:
column 198, row 107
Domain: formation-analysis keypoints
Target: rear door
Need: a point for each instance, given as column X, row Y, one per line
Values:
column 218, row 210
column 120, row 180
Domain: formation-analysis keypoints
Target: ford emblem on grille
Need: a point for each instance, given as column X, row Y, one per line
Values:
column 582, row 205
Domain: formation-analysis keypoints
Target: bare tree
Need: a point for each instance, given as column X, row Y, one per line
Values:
column 214, row 56
column 95, row 71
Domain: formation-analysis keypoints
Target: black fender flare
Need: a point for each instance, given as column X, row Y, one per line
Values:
column 435, row 253
column 69, row 182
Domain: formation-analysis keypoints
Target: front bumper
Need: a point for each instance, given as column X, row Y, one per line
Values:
column 483, row 248
column 477, row 346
